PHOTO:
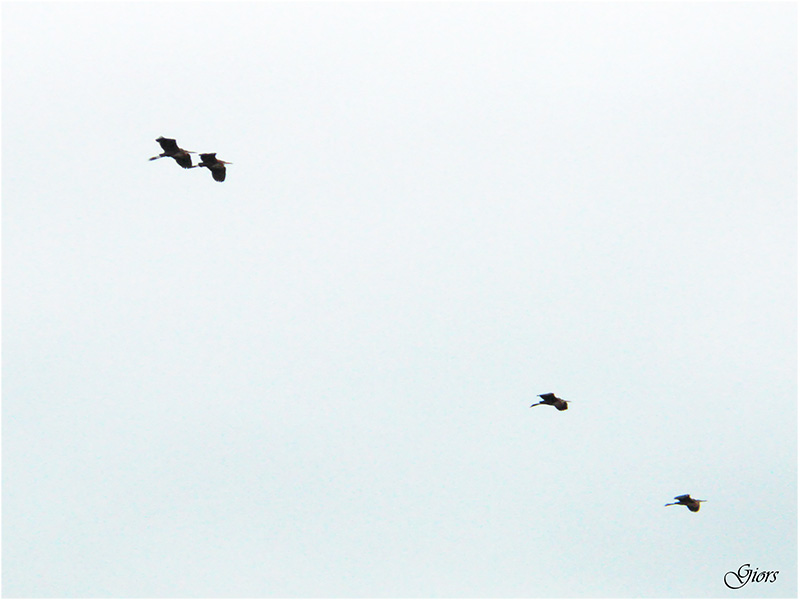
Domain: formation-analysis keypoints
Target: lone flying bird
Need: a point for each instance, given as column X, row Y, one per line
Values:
column 215, row 165
column 687, row 501
column 552, row 400
column 171, row 149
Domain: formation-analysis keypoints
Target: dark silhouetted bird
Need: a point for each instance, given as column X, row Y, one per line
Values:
column 552, row 400
column 171, row 149
column 215, row 165
column 687, row 501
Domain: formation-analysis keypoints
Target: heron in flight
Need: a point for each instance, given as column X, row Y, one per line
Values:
column 215, row 165
column 552, row 400
column 172, row 150
column 687, row 501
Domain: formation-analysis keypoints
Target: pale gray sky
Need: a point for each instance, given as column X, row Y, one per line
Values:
column 314, row 379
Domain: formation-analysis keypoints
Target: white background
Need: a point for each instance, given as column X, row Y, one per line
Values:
column 314, row 379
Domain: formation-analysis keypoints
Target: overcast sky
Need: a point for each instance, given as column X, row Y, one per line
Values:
column 315, row 378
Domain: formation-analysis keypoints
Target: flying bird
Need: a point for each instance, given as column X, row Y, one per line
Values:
column 687, row 501
column 215, row 165
column 172, row 150
column 552, row 400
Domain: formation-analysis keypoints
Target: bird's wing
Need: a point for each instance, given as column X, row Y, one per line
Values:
column 218, row 173
column 684, row 497
column 547, row 396
column 185, row 161
column 168, row 144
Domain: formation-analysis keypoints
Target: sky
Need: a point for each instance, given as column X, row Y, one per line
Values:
column 315, row 379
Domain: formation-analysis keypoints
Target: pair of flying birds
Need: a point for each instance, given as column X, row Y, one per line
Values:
column 184, row 158
column 560, row 404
